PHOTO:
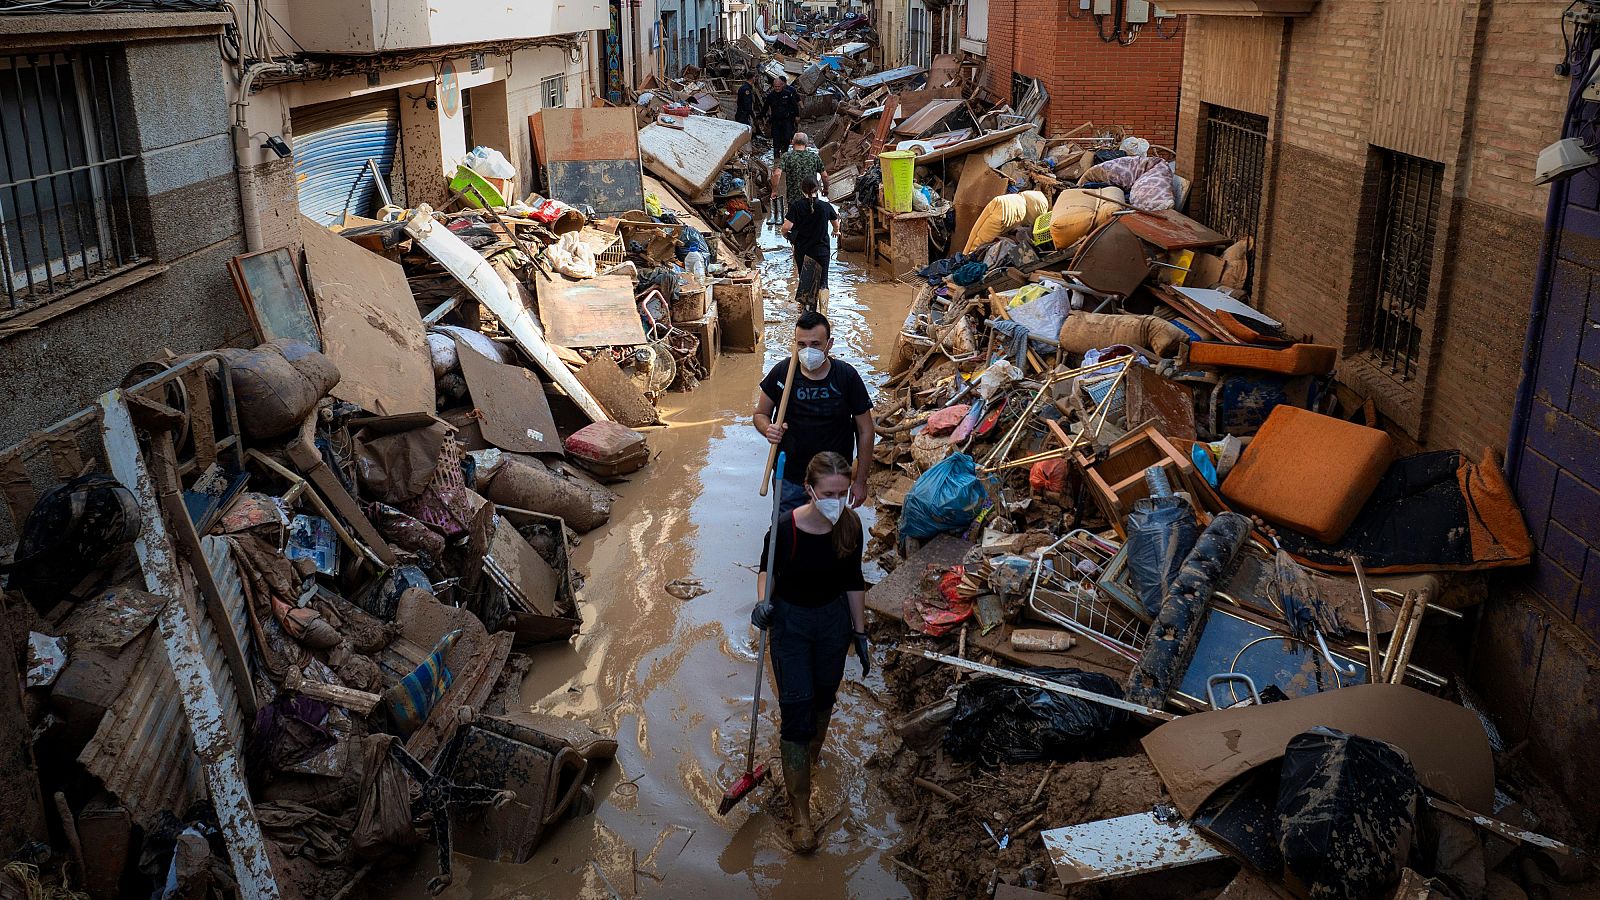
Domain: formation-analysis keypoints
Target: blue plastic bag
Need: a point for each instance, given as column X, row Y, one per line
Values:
column 945, row 499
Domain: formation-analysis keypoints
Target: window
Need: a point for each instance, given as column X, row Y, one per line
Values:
column 977, row 36
column 1229, row 189
column 1407, row 214
column 553, row 92
column 917, row 35
column 64, row 170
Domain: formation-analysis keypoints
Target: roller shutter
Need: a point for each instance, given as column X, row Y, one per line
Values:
column 332, row 143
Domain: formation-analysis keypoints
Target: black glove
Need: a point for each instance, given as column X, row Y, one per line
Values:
column 761, row 614
column 863, row 653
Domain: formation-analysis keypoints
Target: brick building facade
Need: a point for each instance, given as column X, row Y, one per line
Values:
column 1452, row 100
column 1089, row 79
column 1421, row 120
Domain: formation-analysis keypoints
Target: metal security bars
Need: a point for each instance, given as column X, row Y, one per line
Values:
column 1407, row 208
column 1235, row 160
column 64, row 167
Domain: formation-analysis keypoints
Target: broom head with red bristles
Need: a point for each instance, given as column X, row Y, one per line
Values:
column 746, row 783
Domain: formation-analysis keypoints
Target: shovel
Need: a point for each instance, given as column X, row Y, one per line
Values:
column 754, row 774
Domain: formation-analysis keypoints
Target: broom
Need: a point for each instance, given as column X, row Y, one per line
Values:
column 754, row 774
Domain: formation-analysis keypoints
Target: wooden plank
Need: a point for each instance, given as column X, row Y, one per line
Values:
column 370, row 326
column 595, row 312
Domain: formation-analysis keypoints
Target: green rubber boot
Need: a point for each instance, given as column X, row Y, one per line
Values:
column 797, row 781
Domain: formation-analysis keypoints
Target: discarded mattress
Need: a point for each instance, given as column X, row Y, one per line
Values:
column 1078, row 212
column 1296, row 448
column 1004, row 213
column 1429, row 512
column 1295, row 359
column 690, row 158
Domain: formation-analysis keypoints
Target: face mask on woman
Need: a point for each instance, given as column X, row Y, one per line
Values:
column 830, row 507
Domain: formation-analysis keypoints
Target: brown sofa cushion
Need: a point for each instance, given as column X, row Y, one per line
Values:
column 1309, row 472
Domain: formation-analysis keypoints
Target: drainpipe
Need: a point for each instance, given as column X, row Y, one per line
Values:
column 249, row 200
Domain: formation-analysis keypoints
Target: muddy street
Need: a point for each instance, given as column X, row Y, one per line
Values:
column 672, row 678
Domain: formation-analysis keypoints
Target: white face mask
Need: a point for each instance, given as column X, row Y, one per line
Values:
column 830, row 507
column 812, row 359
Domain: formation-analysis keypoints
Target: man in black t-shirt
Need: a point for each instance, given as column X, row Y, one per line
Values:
column 829, row 409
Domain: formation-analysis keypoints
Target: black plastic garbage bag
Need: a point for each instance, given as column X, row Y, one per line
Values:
column 1347, row 808
column 1161, row 532
column 1002, row 721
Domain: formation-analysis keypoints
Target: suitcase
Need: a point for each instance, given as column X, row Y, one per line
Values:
column 608, row 449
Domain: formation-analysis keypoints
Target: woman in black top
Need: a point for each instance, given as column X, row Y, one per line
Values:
column 807, row 224
column 815, row 613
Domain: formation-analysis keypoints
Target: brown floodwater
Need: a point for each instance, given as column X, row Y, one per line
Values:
column 672, row 679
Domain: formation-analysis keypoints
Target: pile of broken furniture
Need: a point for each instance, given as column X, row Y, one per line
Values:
column 272, row 597
column 1122, row 504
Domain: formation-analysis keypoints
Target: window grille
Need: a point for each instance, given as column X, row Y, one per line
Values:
column 553, row 90
column 1229, row 188
column 67, row 152
column 1408, row 197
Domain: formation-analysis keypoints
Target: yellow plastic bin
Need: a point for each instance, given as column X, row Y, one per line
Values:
column 898, row 167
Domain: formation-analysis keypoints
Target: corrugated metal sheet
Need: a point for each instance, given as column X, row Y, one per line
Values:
column 204, row 733
column 332, row 143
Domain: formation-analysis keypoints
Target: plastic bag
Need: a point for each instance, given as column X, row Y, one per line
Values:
column 999, row 721
column 1347, row 809
column 946, row 498
column 1161, row 532
column 489, row 163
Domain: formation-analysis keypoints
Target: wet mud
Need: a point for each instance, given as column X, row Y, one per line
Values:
column 672, row 679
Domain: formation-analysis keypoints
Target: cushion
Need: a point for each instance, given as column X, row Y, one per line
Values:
column 1308, row 472
column 1295, row 359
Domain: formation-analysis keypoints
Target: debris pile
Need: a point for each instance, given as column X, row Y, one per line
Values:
column 272, row 596
column 1132, row 524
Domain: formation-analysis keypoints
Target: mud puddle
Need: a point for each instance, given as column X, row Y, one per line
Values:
column 672, row 679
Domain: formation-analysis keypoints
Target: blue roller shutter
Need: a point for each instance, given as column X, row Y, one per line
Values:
column 332, row 143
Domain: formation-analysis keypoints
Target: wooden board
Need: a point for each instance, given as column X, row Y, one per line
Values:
column 624, row 401
column 590, row 155
column 1172, row 230
column 268, row 283
column 509, row 404
column 370, row 326
column 942, row 552
column 595, row 312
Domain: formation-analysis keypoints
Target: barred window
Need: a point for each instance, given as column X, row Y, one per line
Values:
column 66, row 154
column 1408, row 197
column 1229, row 188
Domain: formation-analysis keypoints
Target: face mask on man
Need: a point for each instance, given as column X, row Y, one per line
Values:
column 830, row 507
column 812, row 359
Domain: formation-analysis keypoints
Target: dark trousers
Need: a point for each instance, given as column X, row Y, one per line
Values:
column 748, row 118
column 809, row 647
column 782, row 136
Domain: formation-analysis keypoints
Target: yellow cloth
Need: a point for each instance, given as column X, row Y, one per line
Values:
column 1004, row 213
column 1078, row 212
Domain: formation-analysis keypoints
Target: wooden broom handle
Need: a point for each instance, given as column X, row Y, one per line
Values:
column 783, row 410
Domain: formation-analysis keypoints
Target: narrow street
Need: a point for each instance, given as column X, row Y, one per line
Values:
column 672, row 679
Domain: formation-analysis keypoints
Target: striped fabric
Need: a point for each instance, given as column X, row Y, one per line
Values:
column 410, row 700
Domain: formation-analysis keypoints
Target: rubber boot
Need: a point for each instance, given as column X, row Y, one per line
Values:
column 823, row 717
column 797, row 781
